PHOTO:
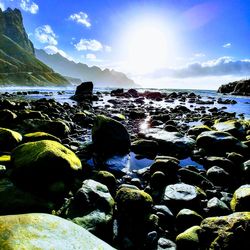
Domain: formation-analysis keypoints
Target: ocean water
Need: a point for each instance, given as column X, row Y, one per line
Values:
column 62, row 94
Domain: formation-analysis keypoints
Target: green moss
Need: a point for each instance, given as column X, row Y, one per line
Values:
column 241, row 199
column 4, row 159
column 38, row 136
column 39, row 164
column 189, row 239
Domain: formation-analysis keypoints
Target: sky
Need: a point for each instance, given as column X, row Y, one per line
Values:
column 187, row 44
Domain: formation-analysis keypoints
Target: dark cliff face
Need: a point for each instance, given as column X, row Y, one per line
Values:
column 241, row 87
column 11, row 25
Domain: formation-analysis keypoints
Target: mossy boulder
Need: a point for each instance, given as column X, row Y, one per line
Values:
column 38, row 136
column 241, row 199
column 197, row 130
column 44, row 231
column 219, row 143
column 233, row 127
column 132, row 202
column 44, row 166
column 109, row 136
column 187, row 218
column 189, row 239
column 226, row 232
column 9, row 139
column 57, row 128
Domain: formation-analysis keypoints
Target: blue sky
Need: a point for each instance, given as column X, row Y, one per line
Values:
column 159, row 43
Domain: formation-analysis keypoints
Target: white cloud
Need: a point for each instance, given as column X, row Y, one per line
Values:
column 227, row 45
column 29, row 6
column 45, row 34
column 2, row 5
column 223, row 66
column 81, row 18
column 91, row 57
column 51, row 50
column 108, row 48
column 199, row 55
column 92, row 44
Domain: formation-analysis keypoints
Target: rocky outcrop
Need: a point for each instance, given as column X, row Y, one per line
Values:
column 241, row 87
column 18, row 64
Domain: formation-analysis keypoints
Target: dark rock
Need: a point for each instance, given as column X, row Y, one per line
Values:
column 110, row 137
column 83, row 92
column 217, row 207
column 241, row 87
column 241, row 199
column 9, row 139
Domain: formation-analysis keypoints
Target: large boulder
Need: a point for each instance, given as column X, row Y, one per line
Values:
column 170, row 143
column 44, row 166
column 9, row 139
column 110, row 137
column 241, row 199
column 45, row 231
column 219, row 142
column 92, row 208
column 84, row 91
column 226, row 232
column 181, row 195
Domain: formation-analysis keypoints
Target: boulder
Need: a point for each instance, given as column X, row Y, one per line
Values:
column 181, row 195
column 216, row 207
column 219, row 142
column 92, row 208
column 45, row 166
column 189, row 239
column 45, row 231
column 197, row 130
column 233, row 127
column 38, row 136
column 226, row 232
column 9, row 139
column 241, row 199
column 7, row 117
column 145, row 147
column 110, row 137
column 170, row 143
column 83, row 92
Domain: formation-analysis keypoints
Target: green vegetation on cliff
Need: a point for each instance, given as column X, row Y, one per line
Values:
column 18, row 64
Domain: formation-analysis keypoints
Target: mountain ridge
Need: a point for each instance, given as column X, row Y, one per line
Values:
column 84, row 72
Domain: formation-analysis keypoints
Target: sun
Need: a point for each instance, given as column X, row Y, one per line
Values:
column 147, row 45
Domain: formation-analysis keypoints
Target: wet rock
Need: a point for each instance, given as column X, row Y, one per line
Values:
column 165, row 244
column 145, row 147
column 9, row 139
column 219, row 142
column 232, row 127
column 38, row 231
column 241, row 87
column 221, row 162
column 133, row 92
column 57, row 128
column 181, row 195
column 217, row 207
column 7, row 117
column 117, row 92
column 46, row 167
column 91, row 208
column 170, row 143
column 107, row 179
column 197, row 130
column 187, row 218
column 14, row 200
column 241, row 199
column 226, row 232
column 38, row 136
column 134, row 207
column 246, row 171
column 218, row 176
column 109, row 136
column 189, row 239
column 83, row 92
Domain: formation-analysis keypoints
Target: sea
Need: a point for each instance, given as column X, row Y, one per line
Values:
column 63, row 94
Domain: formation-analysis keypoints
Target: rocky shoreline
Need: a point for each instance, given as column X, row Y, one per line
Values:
column 55, row 171
column 236, row 88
